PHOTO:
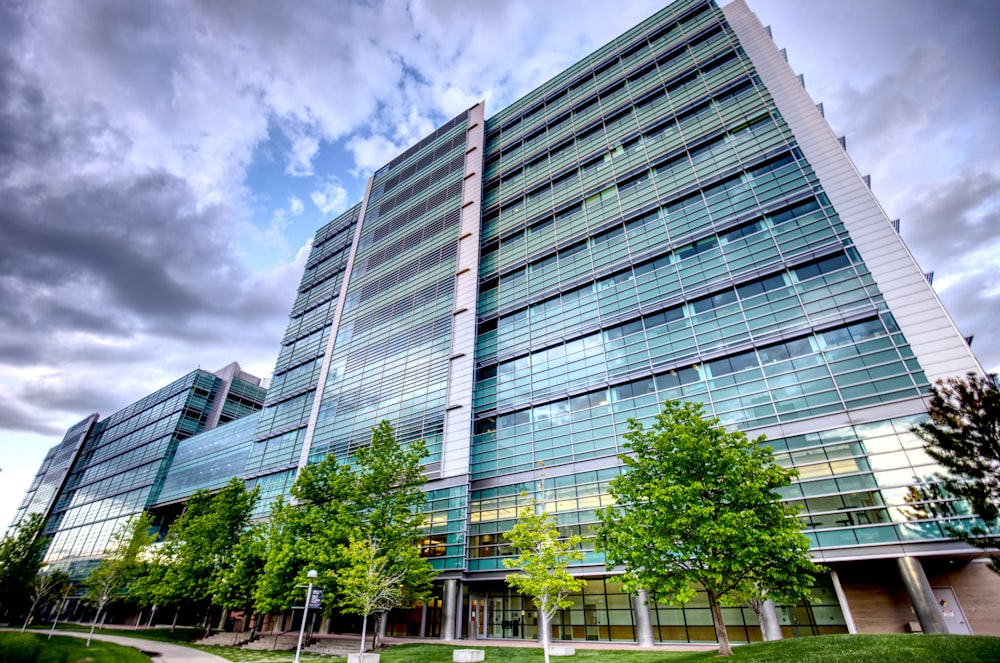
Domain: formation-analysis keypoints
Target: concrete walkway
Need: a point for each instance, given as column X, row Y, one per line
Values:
column 164, row 652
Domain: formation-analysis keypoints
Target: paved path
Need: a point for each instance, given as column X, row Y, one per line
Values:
column 164, row 652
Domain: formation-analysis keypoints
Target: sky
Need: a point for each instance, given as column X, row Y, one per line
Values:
column 164, row 164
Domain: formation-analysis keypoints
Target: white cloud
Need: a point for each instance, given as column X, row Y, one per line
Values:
column 295, row 206
column 331, row 199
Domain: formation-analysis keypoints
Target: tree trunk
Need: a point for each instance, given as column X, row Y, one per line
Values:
column 720, row 626
column 93, row 624
column 62, row 604
column 28, row 618
column 544, row 633
column 173, row 624
column 364, row 632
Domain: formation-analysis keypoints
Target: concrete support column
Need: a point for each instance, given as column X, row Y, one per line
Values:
column 770, row 627
column 842, row 599
column 924, row 603
column 643, row 623
column 460, row 613
column 448, row 610
column 423, row 620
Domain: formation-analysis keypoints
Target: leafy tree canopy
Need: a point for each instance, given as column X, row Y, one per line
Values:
column 963, row 434
column 699, row 506
column 543, row 560
column 21, row 552
column 121, row 564
column 377, row 498
column 188, row 568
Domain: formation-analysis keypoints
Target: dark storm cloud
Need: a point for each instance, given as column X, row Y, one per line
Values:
column 66, row 396
column 14, row 416
column 131, row 240
column 975, row 301
column 954, row 217
column 104, row 266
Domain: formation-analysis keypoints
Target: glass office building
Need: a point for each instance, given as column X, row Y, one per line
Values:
column 669, row 218
column 110, row 469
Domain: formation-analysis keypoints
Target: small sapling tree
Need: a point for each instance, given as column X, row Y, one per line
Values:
column 543, row 561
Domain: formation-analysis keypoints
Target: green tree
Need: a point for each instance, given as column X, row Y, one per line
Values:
column 963, row 435
column 368, row 582
column 21, row 552
column 120, row 566
column 239, row 579
column 377, row 497
column 150, row 588
column 699, row 505
column 48, row 586
column 188, row 568
column 543, row 561
column 287, row 542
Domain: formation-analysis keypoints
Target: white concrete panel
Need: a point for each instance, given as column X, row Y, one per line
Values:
column 455, row 448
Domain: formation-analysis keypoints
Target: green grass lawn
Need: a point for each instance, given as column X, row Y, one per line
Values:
column 65, row 649
column 181, row 636
column 853, row 648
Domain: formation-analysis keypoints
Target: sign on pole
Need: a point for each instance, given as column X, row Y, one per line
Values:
column 316, row 600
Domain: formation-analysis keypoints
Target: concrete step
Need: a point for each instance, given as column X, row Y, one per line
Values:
column 338, row 647
column 226, row 639
column 273, row 643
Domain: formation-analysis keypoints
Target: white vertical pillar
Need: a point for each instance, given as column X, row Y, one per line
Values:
column 462, row 367
column 842, row 599
column 448, row 609
column 770, row 626
column 921, row 595
column 643, row 622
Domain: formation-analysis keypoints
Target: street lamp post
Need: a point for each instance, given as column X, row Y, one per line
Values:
column 305, row 611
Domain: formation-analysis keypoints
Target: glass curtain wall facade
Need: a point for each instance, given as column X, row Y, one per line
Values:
column 121, row 462
column 650, row 227
column 281, row 430
column 51, row 476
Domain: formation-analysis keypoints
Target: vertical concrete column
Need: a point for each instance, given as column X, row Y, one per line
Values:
column 460, row 612
column 770, row 627
column 924, row 603
column 643, row 623
column 448, row 610
column 842, row 598
column 423, row 620
column 457, row 441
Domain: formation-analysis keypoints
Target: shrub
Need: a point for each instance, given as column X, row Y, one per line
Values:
column 19, row 648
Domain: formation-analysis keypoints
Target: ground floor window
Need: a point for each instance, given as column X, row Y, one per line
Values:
column 602, row 612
